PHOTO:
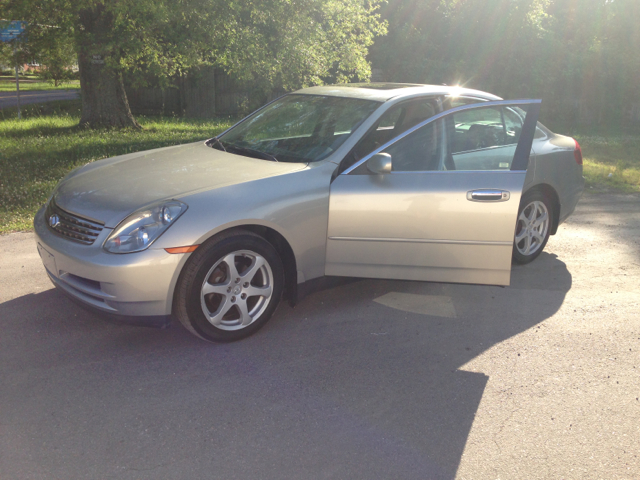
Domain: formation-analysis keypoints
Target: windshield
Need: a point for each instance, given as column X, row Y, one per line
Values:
column 297, row 128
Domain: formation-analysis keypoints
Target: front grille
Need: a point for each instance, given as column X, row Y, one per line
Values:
column 72, row 226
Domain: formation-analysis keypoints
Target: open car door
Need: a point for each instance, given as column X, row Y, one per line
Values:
column 437, row 203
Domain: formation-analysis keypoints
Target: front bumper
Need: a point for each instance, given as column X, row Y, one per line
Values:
column 127, row 285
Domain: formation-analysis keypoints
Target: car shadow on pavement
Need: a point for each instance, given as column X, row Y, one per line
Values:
column 341, row 386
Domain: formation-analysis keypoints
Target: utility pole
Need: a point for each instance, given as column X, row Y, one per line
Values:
column 11, row 31
column 15, row 52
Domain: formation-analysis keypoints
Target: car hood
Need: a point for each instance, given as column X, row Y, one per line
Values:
column 108, row 190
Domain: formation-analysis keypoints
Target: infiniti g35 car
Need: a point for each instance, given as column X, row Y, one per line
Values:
column 396, row 181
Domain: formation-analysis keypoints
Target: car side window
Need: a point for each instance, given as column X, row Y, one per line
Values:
column 419, row 151
column 513, row 126
column 484, row 138
column 478, row 139
column 476, row 129
column 518, row 115
column 395, row 121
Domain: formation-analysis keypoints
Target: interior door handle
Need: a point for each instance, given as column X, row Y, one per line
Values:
column 488, row 196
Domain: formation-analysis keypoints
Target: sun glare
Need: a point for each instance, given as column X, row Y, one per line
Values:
column 456, row 90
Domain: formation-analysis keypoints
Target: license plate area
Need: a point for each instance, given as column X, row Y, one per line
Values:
column 48, row 260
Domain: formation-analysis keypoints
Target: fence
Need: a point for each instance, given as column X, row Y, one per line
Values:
column 202, row 94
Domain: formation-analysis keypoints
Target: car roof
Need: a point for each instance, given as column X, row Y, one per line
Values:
column 383, row 92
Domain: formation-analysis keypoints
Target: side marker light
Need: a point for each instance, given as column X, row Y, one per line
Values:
column 182, row 249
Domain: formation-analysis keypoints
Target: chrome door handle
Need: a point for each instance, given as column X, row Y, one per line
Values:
column 488, row 196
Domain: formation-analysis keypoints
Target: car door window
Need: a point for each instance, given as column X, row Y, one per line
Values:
column 513, row 126
column 394, row 122
column 419, row 151
column 477, row 129
column 478, row 139
column 484, row 138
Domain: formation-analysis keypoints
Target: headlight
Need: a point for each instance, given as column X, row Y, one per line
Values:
column 140, row 229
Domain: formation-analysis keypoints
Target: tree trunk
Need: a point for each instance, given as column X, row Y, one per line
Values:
column 104, row 100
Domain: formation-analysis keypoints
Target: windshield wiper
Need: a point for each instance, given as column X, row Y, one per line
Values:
column 249, row 152
column 215, row 141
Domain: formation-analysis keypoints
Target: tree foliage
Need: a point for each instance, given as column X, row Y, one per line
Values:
column 579, row 55
column 282, row 43
column 53, row 50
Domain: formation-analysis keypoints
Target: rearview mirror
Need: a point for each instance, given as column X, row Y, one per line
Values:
column 380, row 163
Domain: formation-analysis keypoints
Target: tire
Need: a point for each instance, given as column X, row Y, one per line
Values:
column 532, row 227
column 230, row 287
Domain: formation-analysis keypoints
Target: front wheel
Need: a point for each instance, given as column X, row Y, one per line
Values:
column 532, row 228
column 230, row 287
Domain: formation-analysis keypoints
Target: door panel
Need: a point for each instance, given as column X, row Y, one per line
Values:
column 349, row 261
column 421, row 226
column 426, row 225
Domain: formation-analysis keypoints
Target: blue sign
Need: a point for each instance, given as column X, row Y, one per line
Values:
column 11, row 30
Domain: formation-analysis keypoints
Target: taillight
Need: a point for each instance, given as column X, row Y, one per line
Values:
column 577, row 153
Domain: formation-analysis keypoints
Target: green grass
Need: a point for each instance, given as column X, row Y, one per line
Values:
column 10, row 86
column 37, row 151
column 611, row 160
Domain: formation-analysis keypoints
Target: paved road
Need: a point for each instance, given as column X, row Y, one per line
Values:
column 10, row 99
column 368, row 380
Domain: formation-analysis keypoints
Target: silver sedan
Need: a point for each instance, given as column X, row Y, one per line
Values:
column 397, row 181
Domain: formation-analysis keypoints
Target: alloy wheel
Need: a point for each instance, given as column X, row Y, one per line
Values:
column 532, row 227
column 237, row 290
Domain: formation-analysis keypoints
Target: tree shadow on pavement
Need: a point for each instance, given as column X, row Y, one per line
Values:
column 340, row 386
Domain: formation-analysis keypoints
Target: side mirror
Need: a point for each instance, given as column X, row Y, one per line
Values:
column 380, row 163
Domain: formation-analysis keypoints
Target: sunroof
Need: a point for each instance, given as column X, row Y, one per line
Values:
column 379, row 86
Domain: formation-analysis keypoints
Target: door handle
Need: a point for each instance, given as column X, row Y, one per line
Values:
column 488, row 196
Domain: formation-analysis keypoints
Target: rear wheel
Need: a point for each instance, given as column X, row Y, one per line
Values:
column 230, row 287
column 532, row 228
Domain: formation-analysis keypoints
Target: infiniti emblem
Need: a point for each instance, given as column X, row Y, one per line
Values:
column 54, row 221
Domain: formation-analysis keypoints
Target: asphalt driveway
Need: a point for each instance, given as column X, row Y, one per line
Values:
column 368, row 379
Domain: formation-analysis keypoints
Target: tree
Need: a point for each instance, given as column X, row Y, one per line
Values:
column 52, row 49
column 287, row 43
column 57, row 67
